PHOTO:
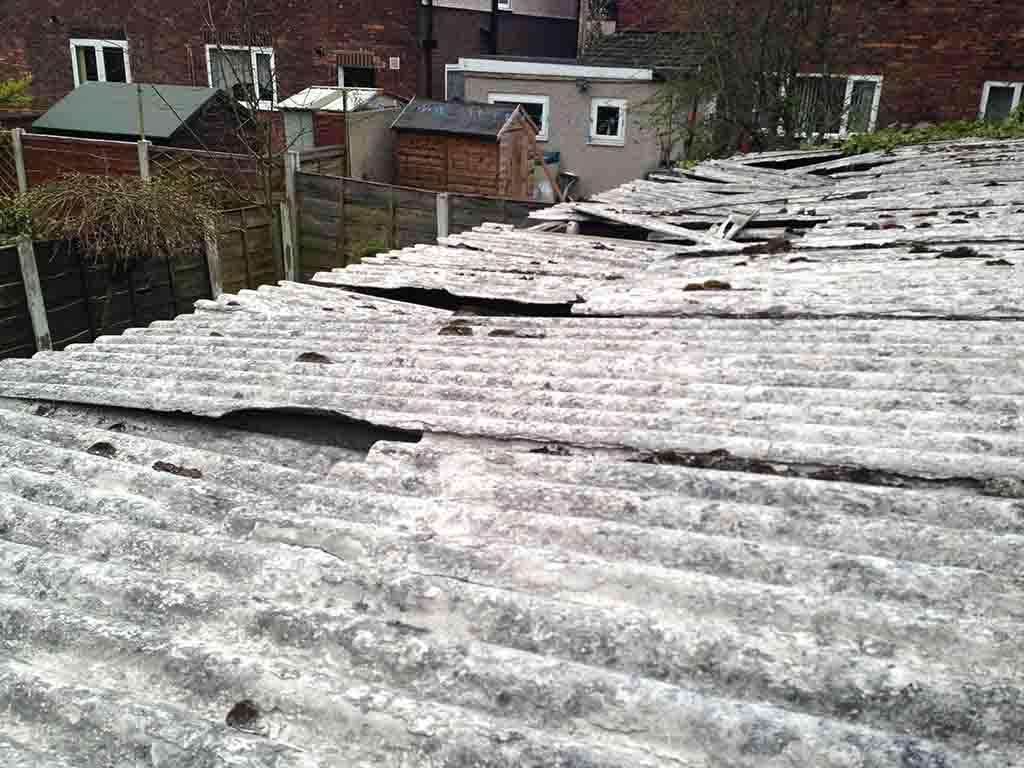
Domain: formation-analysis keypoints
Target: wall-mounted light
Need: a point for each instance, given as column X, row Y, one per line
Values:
column 582, row 86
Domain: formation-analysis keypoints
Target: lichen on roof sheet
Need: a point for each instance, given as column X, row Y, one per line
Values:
column 527, row 499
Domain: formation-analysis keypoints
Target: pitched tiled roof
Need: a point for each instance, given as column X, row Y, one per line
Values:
column 649, row 50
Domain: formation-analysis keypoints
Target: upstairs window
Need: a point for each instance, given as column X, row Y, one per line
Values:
column 537, row 107
column 356, row 77
column 100, row 61
column 608, row 122
column 247, row 73
column 998, row 100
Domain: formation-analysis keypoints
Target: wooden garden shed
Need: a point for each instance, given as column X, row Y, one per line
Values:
column 454, row 146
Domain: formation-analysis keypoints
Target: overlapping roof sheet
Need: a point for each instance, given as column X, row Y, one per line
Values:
column 370, row 524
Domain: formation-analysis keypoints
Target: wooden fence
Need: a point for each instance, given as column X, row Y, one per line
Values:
column 342, row 221
column 69, row 295
column 73, row 295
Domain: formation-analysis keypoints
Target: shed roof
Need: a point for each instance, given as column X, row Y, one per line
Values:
column 311, row 526
column 456, row 117
column 112, row 109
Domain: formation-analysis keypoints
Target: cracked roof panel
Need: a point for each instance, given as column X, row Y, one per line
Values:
column 771, row 525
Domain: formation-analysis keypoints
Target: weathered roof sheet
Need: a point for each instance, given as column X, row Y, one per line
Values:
column 310, row 526
column 657, row 50
column 458, row 117
column 326, row 99
column 113, row 109
column 448, row 605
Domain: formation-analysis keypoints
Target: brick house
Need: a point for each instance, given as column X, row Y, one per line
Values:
column 906, row 61
column 356, row 43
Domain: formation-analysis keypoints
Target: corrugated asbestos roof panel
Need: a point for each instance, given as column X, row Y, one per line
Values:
column 451, row 605
column 780, row 526
column 820, row 393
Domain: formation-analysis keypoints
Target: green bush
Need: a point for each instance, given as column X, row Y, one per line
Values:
column 889, row 139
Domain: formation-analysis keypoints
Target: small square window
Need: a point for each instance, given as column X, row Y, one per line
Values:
column 100, row 61
column 998, row 100
column 608, row 122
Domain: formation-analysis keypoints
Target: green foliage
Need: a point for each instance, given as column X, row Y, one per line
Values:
column 14, row 93
column 15, row 218
column 116, row 221
column 886, row 140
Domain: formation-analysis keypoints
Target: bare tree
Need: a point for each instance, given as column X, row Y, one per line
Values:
column 757, row 59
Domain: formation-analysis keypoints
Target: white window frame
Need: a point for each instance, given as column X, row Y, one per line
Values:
column 504, row 5
column 525, row 98
column 844, row 120
column 989, row 85
column 101, row 67
column 609, row 141
column 253, row 51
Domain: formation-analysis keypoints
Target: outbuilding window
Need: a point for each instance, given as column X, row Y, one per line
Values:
column 537, row 107
column 608, row 122
column 998, row 100
column 246, row 72
column 100, row 61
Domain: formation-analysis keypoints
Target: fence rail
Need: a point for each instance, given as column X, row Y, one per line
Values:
column 342, row 221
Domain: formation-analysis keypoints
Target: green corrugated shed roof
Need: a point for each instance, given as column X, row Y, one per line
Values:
column 113, row 109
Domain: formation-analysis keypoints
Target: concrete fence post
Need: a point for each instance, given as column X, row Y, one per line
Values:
column 292, row 163
column 34, row 294
column 18, row 149
column 213, row 262
column 443, row 214
column 291, row 267
column 143, row 146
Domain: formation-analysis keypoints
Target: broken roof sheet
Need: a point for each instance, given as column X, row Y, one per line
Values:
column 445, row 604
column 308, row 526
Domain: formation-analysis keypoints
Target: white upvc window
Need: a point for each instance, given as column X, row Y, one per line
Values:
column 504, row 5
column 537, row 107
column 836, row 105
column 246, row 72
column 100, row 61
column 608, row 122
column 998, row 100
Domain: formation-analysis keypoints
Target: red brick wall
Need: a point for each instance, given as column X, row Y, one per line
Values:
column 167, row 39
column 935, row 55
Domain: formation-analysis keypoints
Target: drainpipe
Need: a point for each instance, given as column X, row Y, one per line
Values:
column 494, row 27
column 428, row 50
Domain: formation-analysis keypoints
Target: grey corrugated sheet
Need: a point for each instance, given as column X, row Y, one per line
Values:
column 619, row 541
column 458, row 117
column 113, row 109
column 453, row 605
column 621, row 277
column 818, row 393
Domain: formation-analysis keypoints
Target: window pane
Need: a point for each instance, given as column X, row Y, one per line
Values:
column 266, row 76
column 862, row 99
column 232, row 72
column 113, row 61
column 818, row 103
column 608, row 121
column 535, row 111
column 999, row 104
column 358, row 77
column 85, row 58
